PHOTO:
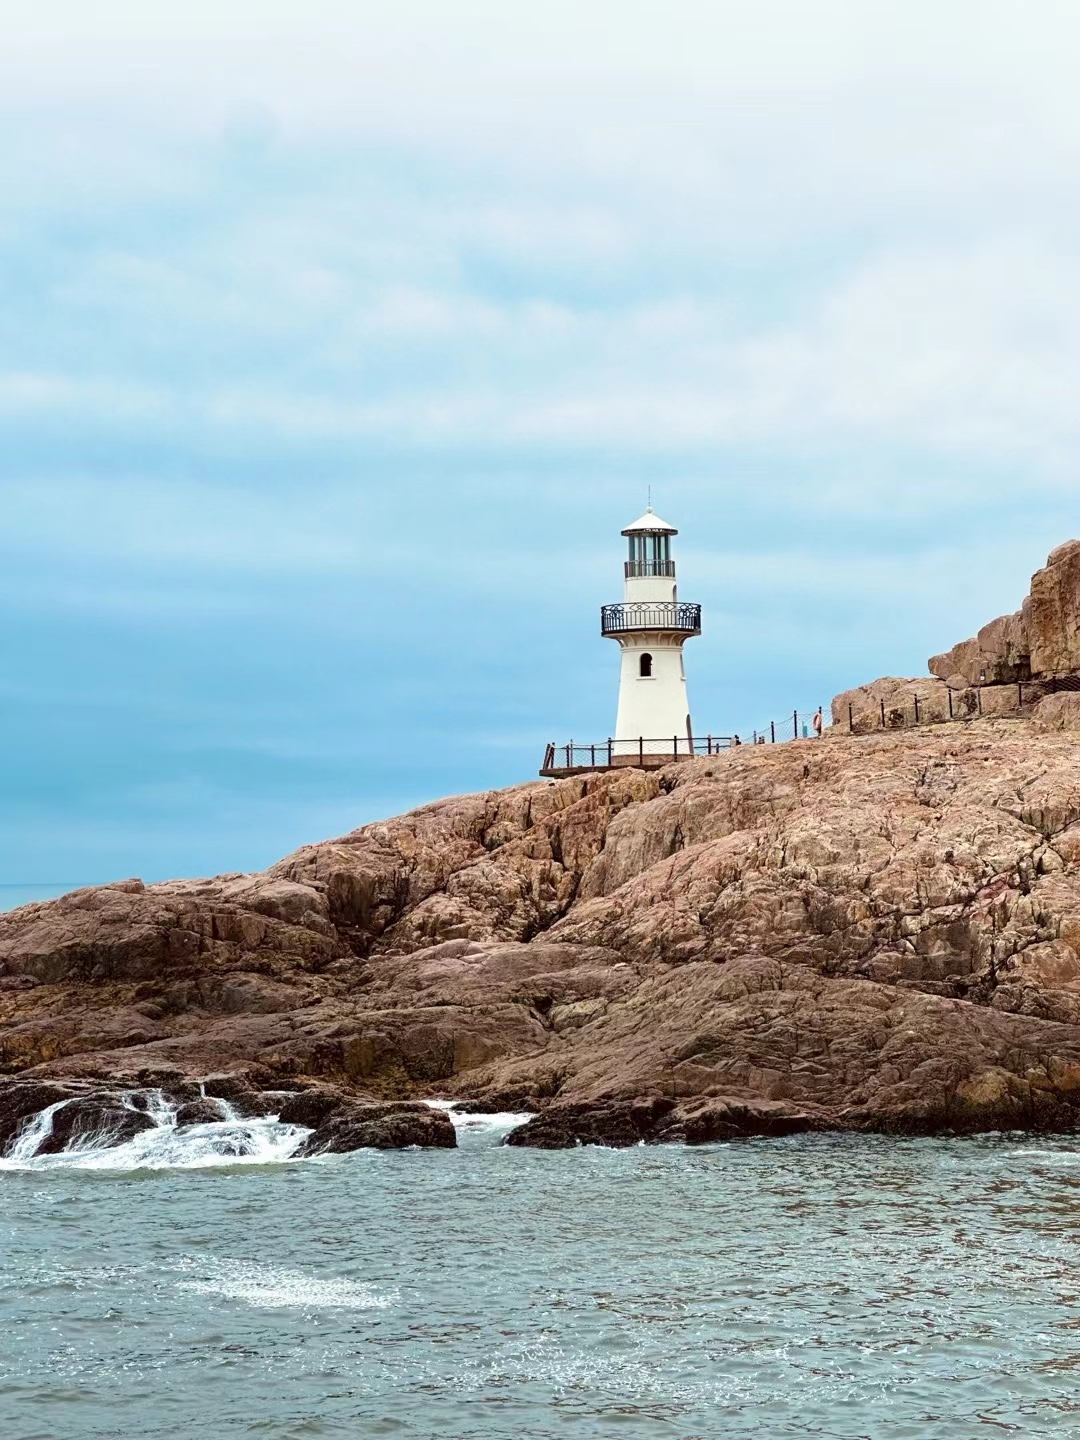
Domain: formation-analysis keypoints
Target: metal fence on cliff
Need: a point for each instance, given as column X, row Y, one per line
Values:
column 977, row 702
column 645, row 751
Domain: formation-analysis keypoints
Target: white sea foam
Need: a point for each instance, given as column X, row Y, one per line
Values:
column 498, row 1122
column 268, row 1287
column 231, row 1140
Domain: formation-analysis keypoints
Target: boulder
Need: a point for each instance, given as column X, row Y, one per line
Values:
column 198, row 1112
column 656, row 1119
column 1052, row 613
column 101, row 1119
column 382, row 1127
column 1057, row 712
column 310, row 1108
column 20, row 1101
column 999, row 655
column 1040, row 640
column 612, row 1123
column 1001, row 701
column 238, row 1092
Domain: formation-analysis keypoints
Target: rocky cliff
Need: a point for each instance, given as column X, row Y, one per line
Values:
column 877, row 932
column 1012, row 664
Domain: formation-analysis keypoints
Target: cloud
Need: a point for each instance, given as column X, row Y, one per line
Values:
column 970, row 350
column 337, row 342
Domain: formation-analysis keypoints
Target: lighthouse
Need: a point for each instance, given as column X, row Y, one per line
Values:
column 650, row 627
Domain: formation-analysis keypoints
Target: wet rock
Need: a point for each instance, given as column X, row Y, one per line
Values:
column 310, row 1108
column 505, row 1102
column 615, row 1123
column 198, row 1112
column 20, row 1101
column 238, row 1091
column 102, row 1120
column 382, row 1127
column 742, row 1119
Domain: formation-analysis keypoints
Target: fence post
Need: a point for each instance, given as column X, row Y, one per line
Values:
column 592, row 756
column 708, row 744
column 1019, row 695
column 795, row 724
column 641, row 750
column 772, row 730
column 883, row 714
column 978, row 695
column 568, row 759
column 851, row 718
column 675, row 744
column 609, row 753
column 950, row 704
column 916, row 709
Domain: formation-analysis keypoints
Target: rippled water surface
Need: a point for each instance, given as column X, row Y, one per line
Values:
column 813, row 1286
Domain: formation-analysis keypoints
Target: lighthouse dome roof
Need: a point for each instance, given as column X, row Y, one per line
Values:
column 650, row 524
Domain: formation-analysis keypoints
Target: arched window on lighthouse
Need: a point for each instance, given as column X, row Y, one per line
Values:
column 646, row 666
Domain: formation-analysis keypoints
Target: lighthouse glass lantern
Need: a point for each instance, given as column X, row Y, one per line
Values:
column 650, row 628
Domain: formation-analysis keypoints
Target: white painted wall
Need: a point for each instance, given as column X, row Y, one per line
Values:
column 643, row 588
column 655, row 708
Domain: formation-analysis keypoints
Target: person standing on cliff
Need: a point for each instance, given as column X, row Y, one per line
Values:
column 817, row 722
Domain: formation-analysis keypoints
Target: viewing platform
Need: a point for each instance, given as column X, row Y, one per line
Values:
column 656, row 615
column 561, row 761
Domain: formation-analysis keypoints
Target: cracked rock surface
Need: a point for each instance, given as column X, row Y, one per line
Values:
column 872, row 932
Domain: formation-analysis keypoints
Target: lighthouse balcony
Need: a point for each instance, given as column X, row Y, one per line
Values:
column 667, row 615
column 640, row 569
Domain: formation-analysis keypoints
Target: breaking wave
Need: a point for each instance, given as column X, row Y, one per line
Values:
column 232, row 1140
column 495, row 1125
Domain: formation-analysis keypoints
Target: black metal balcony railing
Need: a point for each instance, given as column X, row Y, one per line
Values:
column 636, row 569
column 662, row 615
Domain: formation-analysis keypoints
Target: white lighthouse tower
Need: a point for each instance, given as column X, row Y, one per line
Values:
column 650, row 627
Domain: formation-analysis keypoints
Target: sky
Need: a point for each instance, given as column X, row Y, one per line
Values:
column 338, row 342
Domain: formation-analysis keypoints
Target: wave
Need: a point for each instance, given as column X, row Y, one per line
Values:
column 232, row 1140
column 496, row 1123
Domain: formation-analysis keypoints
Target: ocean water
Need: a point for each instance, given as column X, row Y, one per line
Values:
column 201, row 1283
column 14, row 895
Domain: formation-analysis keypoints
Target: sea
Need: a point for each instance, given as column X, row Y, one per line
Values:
column 202, row 1283
column 14, row 895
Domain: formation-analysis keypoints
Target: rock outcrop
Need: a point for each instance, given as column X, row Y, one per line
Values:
column 999, row 655
column 1041, row 640
column 1012, row 664
column 877, row 932
column 381, row 1127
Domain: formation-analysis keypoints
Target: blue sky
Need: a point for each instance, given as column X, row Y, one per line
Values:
column 339, row 341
